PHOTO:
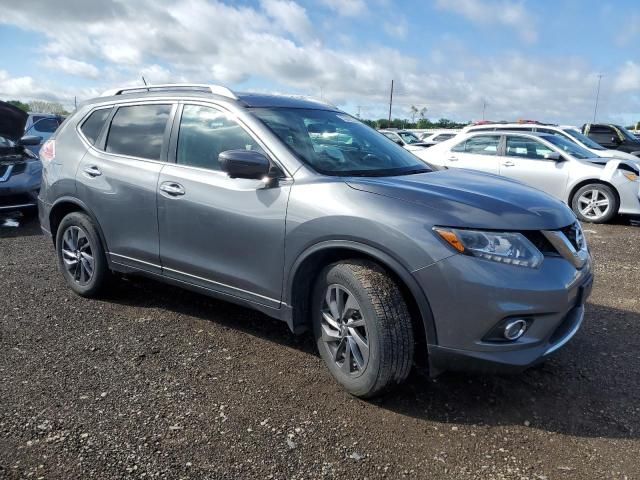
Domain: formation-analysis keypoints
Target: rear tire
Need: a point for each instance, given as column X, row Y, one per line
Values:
column 595, row 203
column 81, row 256
column 360, row 317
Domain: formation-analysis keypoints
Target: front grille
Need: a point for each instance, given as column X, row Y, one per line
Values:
column 571, row 232
column 540, row 242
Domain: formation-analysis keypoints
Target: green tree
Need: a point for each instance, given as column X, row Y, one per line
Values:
column 19, row 104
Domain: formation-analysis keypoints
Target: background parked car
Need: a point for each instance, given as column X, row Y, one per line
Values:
column 20, row 169
column 613, row 136
column 569, row 132
column 595, row 188
column 405, row 138
column 431, row 138
column 41, row 125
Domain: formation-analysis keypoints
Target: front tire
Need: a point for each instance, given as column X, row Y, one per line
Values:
column 595, row 203
column 81, row 256
column 362, row 327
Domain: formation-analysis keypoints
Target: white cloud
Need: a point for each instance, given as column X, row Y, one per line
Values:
column 291, row 17
column 346, row 8
column 71, row 66
column 209, row 42
column 397, row 27
column 628, row 78
column 495, row 12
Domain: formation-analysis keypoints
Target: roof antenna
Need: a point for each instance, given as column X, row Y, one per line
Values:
column 145, row 82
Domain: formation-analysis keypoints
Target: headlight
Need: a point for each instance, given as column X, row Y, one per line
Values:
column 504, row 247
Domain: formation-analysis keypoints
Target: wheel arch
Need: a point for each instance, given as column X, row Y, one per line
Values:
column 66, row 205
column 305, row 269
column 590, row 181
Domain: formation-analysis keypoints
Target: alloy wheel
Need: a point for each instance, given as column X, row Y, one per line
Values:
column 344, row 330
column 594, row 204
column 77, row 255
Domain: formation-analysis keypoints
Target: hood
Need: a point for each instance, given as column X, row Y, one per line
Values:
column 12, row 121
column 619, row 154
column 464, row 198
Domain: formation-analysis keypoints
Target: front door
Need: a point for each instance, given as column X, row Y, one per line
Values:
column 224, row 234
column 476, row 153
column 524, row 160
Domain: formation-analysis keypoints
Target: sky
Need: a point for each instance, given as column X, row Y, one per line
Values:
column 514, row 59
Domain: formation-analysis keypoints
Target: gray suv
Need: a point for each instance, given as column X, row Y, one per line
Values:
column 297, row 209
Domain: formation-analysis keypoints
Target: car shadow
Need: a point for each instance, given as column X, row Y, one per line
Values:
column 590, row 389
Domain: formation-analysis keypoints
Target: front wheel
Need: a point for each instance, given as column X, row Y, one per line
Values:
column 595, row 203
column 362, row 327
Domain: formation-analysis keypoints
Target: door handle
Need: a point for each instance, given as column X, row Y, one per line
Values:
column 92, row 171
column 172, row 188
column 453, row 159
column 508, row 163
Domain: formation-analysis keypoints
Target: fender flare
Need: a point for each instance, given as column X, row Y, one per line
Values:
column 385, row 260
column 83, row 206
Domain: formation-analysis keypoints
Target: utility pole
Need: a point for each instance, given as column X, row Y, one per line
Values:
column 390, row 102
column 484, row 106
column 595, row 109
column 359, row 107
column 75, row 102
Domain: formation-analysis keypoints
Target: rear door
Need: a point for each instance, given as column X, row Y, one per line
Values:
column 476, row 153
column 221, row 233
column 523, row 160
column 118, row 179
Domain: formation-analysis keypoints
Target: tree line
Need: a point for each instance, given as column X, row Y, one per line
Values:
column 40, row 106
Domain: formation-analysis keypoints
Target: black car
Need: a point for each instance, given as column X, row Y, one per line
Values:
column 613, row 136
column 20, row 169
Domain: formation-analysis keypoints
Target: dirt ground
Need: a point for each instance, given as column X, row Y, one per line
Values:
column 154, row 382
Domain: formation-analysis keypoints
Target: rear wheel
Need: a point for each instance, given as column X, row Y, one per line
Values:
column 81, row 257
column 362, row 327
column 595, row 203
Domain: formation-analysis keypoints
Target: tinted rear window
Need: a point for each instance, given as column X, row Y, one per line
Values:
column 92, row 126
column 138, row 131
column 46, row 124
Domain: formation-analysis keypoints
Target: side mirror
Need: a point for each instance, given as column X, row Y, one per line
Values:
column 555, row 156
column 615, row 139
column 30, row 141
column 244, row 164
column 400, row 142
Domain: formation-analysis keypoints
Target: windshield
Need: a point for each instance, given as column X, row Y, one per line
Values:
column 567, row 146
column 334, row 143
column 583, row 139
column 409, row 137
column 626, row 133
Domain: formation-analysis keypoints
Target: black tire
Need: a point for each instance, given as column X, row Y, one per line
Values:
column 603, row 192
column 98, row 281
column 387, row 325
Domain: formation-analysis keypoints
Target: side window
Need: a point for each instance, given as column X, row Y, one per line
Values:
column 443, row 136
column 205, row 133
column 92, row 126
column 481, row 145
column 526, row 148
column 138, row 131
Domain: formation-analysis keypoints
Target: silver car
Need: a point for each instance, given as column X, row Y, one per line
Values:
column 597, row 189
column 294, row 208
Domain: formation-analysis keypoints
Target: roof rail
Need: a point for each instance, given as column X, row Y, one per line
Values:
column 215, row 89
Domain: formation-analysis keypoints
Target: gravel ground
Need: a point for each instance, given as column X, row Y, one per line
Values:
column 154, row 381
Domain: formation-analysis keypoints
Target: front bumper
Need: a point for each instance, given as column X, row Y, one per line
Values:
column 20, row 190
column 469, row 297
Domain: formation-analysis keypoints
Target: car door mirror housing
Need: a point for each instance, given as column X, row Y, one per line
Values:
column 555, row 156
column 30, row 141
column 615, row 139
column 244, row 164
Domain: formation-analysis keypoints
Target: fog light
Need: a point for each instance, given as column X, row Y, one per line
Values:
column 515, row 329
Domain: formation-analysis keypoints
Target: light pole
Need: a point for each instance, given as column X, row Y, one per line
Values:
column 595, row 108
